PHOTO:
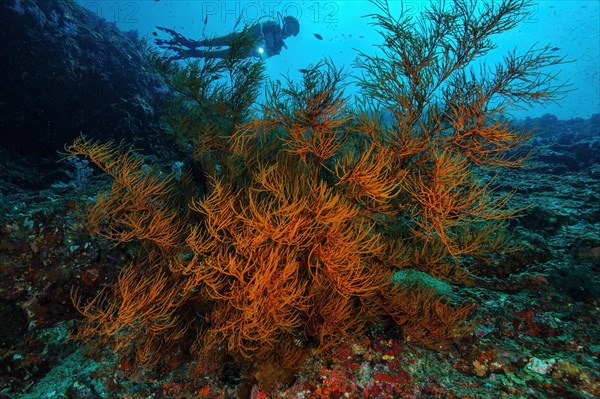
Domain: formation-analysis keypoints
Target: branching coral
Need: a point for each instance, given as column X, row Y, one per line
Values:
column 311, row 208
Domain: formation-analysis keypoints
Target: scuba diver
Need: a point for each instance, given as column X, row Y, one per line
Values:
column 269, row 36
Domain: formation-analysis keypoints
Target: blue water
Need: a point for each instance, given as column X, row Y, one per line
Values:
column 572, row 27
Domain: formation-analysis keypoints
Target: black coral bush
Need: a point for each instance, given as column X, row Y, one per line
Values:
column 309, row 208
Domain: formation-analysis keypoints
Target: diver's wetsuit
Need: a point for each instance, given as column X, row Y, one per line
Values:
column 268, row 36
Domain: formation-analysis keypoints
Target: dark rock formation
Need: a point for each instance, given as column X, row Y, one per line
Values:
column 65, row 71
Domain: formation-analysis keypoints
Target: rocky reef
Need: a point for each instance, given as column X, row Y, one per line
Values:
column 67, row 71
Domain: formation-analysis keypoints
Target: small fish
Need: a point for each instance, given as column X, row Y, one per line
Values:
column 318, row 36
column 554, row 49
column 154, row 34
column 303, row 70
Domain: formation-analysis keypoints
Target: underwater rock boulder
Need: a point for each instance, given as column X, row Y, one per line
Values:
column 67, row 71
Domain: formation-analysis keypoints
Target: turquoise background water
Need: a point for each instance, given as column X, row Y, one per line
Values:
column 573, row 27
